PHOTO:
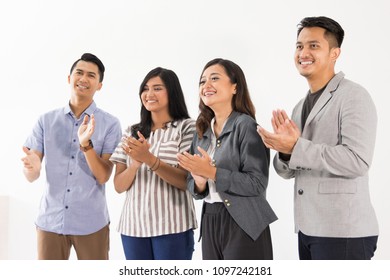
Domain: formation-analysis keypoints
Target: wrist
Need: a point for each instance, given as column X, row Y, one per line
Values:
column 86, row 147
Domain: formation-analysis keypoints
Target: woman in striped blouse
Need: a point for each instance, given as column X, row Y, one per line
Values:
column 158, row 215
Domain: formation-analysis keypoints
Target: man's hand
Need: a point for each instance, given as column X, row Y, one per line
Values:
column 286, row 133
column 86, row 130
column 32, row 164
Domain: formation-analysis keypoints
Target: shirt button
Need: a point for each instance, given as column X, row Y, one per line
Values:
column 72, row 157
column 300, row 192
column 218, row 145
column 66, row 207
column 70, row 173
column 68, row 190
column 74, row 140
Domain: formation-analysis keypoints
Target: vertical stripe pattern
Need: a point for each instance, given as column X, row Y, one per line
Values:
column 152, row 206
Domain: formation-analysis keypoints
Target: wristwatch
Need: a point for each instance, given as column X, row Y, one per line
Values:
column 87, row 148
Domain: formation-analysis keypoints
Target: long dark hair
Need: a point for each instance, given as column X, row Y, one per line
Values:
column 241, row 101
column 176, row 103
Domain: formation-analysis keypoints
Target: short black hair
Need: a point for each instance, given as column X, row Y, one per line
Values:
column 332, row 28
column 88, row 57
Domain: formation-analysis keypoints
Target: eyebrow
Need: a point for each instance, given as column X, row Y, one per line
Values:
column 81, row 70
column 310, row 42
column 155, row 85
column 212, row 74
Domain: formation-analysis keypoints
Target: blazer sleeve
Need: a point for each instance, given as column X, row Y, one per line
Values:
column 251, row 179
column 353, row 154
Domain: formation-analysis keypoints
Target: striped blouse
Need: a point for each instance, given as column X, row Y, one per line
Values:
column 152, row 206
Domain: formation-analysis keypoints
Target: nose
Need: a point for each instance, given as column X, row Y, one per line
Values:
column 207, row 84
column 303, row 53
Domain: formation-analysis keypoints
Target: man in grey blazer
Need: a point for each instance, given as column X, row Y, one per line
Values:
column 327, row 146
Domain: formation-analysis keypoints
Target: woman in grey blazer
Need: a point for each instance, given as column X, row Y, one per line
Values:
column 228, row 165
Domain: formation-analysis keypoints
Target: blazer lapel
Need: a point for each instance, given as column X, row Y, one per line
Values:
column 325, row 97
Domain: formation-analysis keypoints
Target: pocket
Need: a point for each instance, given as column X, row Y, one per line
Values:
column 337, row 186
column 168, row 150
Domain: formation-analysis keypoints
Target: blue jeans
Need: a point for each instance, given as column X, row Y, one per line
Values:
column 330, row 248
column 178, row 246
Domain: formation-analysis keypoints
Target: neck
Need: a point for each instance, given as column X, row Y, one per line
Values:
column 79, row 106
column 317, row 84
column 220, row 119
column 160, row 119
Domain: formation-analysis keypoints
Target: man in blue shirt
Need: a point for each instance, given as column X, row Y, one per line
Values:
column 76, row 142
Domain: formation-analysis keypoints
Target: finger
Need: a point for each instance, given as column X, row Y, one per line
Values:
column 275, row 118
column 262, row 131
column 85, row 120
column 92, row 122
column 284, row 114
column 275, row 126
column 294, row 125
column 280, row 116
column 203, row 152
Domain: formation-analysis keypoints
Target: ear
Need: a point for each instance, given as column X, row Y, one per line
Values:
column 68, row 79
column 335, row 53
column 235, row 88
column 100, row 86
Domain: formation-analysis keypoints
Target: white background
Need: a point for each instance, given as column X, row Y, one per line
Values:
column 41, row 39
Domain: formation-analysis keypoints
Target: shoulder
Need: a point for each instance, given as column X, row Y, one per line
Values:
column 244, row 121
column 53, row 114
column 351, row 86
column 185, row 124
column 107, row 117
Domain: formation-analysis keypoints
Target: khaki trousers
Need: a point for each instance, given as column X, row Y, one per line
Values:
column 53, row 246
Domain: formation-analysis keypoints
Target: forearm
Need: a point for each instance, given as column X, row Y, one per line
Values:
column 124, row 177
column 339, row 160
column 174, row 176
column 101, row 167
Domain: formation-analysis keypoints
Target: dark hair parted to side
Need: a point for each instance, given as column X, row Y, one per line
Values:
column 334, row 32
column 176, row 102
column 241, row 101
column 88, row 57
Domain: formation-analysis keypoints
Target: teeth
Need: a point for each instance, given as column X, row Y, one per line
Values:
column 151, row 101
column 306, row 62
column 209, row 93
column 82, row 87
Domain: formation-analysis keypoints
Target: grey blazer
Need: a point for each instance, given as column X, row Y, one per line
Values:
column 330, row 163
column 242, row 163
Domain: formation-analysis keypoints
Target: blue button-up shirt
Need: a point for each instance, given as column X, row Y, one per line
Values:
column 74, row 202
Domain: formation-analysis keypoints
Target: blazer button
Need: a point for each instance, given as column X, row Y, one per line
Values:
column 300, row 192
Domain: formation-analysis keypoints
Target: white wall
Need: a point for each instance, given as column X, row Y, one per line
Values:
column 41, row 39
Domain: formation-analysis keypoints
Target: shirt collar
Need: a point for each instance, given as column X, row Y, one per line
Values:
column 228, row 127
column 90, row 110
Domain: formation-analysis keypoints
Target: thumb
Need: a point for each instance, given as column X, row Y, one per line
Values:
column 141, row 137
column 26, row 150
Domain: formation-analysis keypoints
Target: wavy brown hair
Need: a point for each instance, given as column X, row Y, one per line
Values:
column 241, row 101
